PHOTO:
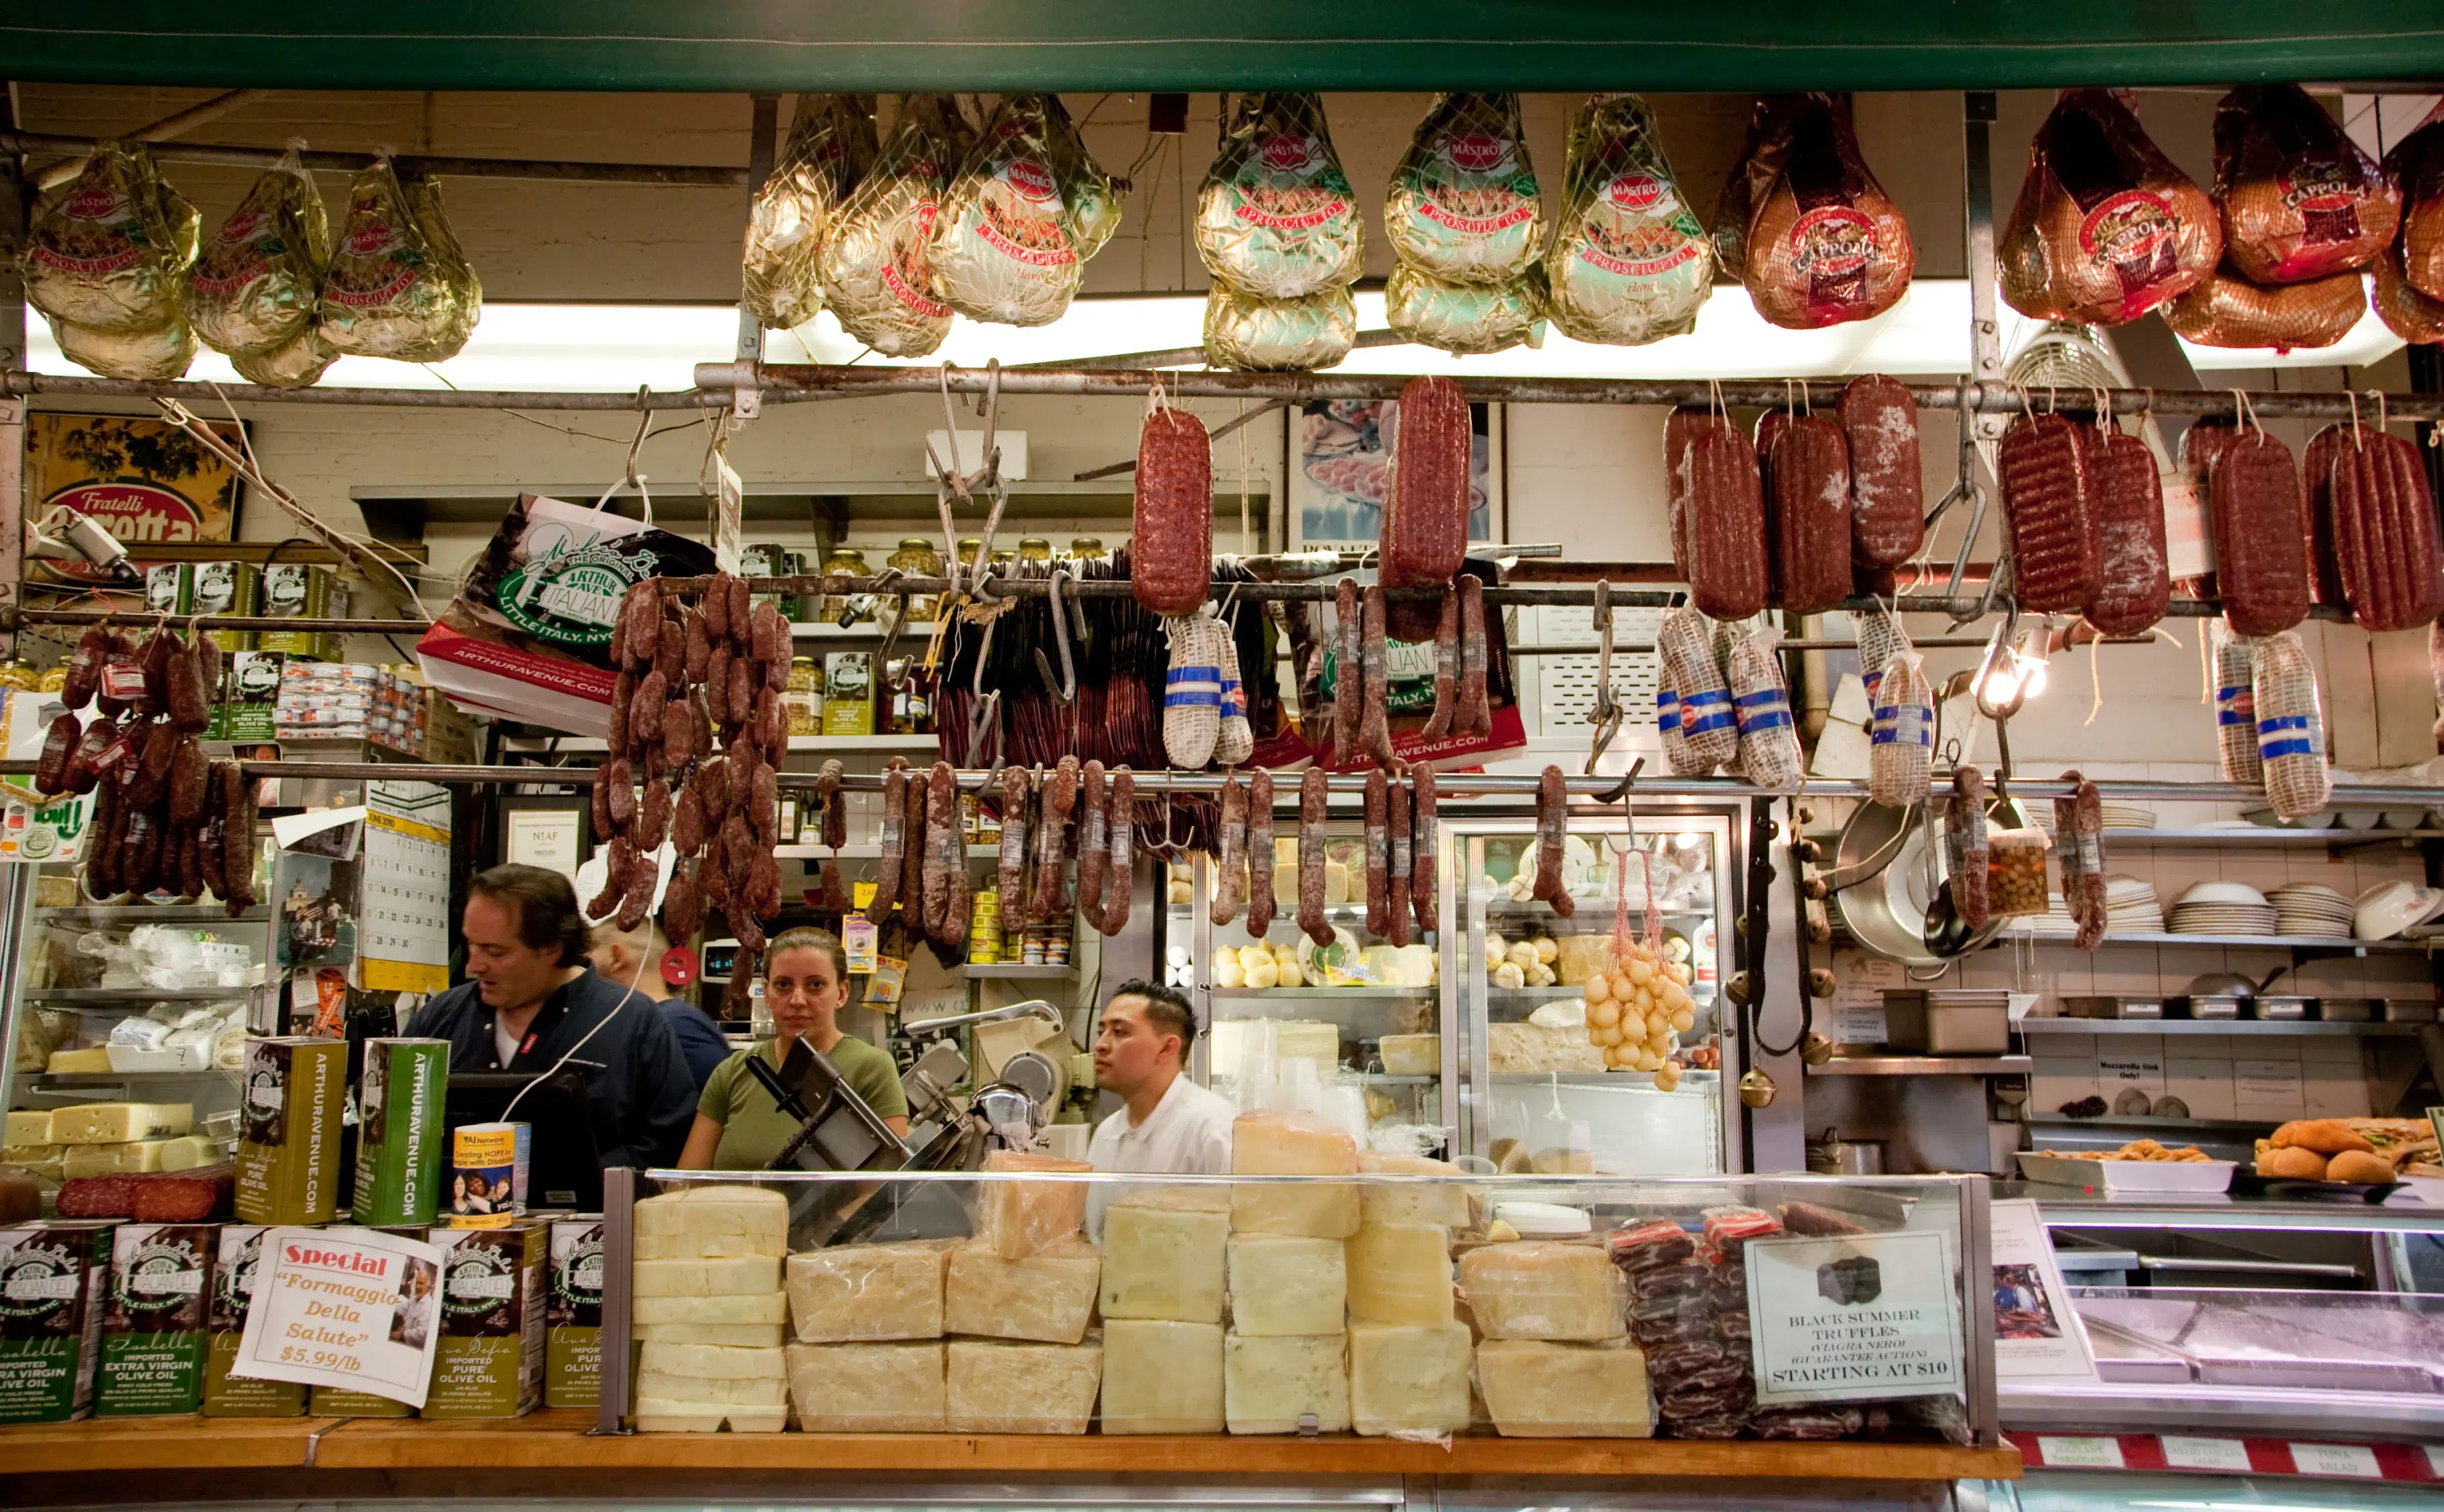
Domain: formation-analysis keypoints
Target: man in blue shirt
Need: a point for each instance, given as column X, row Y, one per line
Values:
column 633, row 958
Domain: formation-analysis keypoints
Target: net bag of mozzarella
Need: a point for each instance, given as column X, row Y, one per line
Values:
column 1021, row 218
column 1465, row 319
column 1291, row 335
column 873, row 265
column 830, row 148
column 1637, row 1004
column 1768, row 740
column 110, row 252
column 2105, row 228
column 1463, row 205
column 2236, row 696
column 2291, row 728
column 1629, row 263
column 2300, row 199
column 1708, row 726
column 1275, row 218
column 254, row 285
column 1824, row 243
column 387, row 290
column 1900, row 757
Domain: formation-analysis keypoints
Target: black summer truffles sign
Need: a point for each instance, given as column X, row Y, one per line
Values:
column 1854, row 1318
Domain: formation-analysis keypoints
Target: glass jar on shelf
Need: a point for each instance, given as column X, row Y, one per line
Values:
column 917, row 558
column 804, row 699
column 1034, row 548
column 1087, row 547
column 843, row 562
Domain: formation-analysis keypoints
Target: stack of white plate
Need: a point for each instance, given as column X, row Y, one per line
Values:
column 2055, row 922
column 2306, row 908
column 2131, row 906
column 2128, row 816
column 2221, row 908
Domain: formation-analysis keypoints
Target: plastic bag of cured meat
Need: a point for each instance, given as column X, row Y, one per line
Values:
column 1279, row 335
column 108, row 252
column 467, row 304
column 390, row 289
column 1823, row 243
column 1464, row 206
column 2416, row 164
column 2105, row 228
column 254, row 285
column 829, row 150
column 873, row 267
column 1276, row 218
column 2229, row 310
column 2300, row 200
column 1022, row 217
column 1630, row 263
column 1467, row 318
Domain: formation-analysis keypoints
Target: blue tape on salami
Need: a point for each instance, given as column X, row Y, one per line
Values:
column 1766, row 708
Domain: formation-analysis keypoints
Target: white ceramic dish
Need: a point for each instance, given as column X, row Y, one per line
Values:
column 2069, row 1168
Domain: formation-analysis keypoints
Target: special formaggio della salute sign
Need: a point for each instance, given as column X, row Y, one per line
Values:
column 353, row 1308
column 145, row 482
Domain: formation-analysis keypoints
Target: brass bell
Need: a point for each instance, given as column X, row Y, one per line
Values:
column 1821, row 983
column 1737, row 989
column 1813, row 889
column 1808, row 850
column 1820, row 932
column 1815, row 1050
column 1757, row 1089
column 1740, row 926
column 1806, row 816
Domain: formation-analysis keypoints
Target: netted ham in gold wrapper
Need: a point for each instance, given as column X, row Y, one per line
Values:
column 109, row 253
column 292, row 364
column 2106, row 229
column 1824, row 243
column 830, row 147
column 1630, row 263
column 2300, row 199
column 388, row 290
column 1465, row 318
column 1464, row 206
column 1276, row 217
column 1021, row 218
column 2229, row 310
column 254, row 284
column 160, row 353
column 467, row 305
column 2416, row 164
column 1243, row 331
column 877, row 276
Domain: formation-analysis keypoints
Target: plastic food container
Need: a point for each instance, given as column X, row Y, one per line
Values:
column 2071, row 1168
column 2015, row 873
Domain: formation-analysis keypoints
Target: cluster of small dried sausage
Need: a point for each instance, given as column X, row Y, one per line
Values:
column 1400, row 837
column 165, row 819
column 717, row 667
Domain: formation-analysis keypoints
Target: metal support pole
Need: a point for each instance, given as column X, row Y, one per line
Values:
column 747, row 400
column 1984, row 328
column 12, row 410
column 618, row 1250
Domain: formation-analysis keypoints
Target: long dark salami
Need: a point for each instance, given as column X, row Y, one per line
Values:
column 1122, row 825
column 1552, row 830
column 945, row 853
column 1094, row 841
column 1438, row 725
column 1313, row 790
column 1423, row 846
column 1374, row 729
column 1476, row 715
column 1231, row 858
column 912, row 850
column 1013, row 872
column 1349, row 674
column 1379, row 854
column 1058, row 801
column 894, row 838
column 1260, row 853
column 1396, row 900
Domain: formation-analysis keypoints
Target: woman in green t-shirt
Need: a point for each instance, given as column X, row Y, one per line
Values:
column 805, row 982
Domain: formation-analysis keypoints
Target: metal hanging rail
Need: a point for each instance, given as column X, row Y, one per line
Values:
column 685, row 175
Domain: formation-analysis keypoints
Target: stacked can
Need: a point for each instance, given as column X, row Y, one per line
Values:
column 984, row 927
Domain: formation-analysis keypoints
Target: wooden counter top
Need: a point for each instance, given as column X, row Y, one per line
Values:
column 563, row 1440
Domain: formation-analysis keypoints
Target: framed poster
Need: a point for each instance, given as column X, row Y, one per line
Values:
column 144, row 481
column 1340, row 461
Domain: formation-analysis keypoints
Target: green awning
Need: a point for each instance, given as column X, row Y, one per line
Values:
column 1125, row 45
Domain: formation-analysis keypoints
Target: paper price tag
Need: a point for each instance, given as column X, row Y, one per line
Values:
column 2355, row 1461
column 2080, row 1453
column 2205, row 1454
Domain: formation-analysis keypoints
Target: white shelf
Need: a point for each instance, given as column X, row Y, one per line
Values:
column 1925, row 1065
column 2186, row 1026
column 840, row 743
column 2263, row 834
column 64, row 1079
column 150, row 913
column 1311, row 994
column 1009, row 972
column 2237, row 942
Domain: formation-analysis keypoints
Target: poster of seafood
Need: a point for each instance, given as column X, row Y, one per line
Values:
column 1341, row 452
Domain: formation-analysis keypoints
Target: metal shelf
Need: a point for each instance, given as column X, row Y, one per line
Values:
column 111, row 997
column 1920, row 1065
column 64, row 1079
column 2233, row 942
column 1551, row 994
column 149, row 913
column 2264, row 834
column 1689, row 1075
column 1273, row 994
column 1018, row 973
column 2189, row 1027
column 2105, row 1120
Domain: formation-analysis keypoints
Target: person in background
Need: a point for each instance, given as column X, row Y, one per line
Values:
column 806, row 983
column 634, row 959
column 535, row 999
column 1167, row 1122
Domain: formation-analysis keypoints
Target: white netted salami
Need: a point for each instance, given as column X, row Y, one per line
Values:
column 1707, row 723
column 1236, row 740
column 1191, row 693
column 1667, row 727
column 1881, row 637
column 1768, row 740
column 2235, row 676
column 1901, row 739
column 2291, row 728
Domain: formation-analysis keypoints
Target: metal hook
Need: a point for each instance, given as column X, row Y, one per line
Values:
column 1606, row 714
column 1063, row 690
column 1619, row 792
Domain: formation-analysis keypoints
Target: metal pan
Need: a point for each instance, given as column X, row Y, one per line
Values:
column 1879, row 866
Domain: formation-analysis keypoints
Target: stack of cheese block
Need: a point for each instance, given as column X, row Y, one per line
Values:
column 987, row 1335
column 710, row 1309
column 29, row 1146
column 105, row 1138
column 1555, row 1359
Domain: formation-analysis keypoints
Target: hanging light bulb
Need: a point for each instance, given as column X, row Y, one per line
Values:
column 2031, row 658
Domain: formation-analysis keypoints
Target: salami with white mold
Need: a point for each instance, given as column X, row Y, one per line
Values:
column 886, row 884
column 1438, row 725
column 1379, row 854
column 1349, row 673
column 1012, row 870
column 1231, row 864
column 1057, row 803
column 945, row 851
column 1422, row 848
column 1314, row 789
column 1123, row 826
column 1476, row 715
column 1396, row 902
column 1887, row 491
column 1552, row 832
column 1260, row 853
column 1171, row 538
column 1374, row 729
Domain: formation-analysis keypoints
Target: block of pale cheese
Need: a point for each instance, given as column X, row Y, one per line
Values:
column 1273, row 1142
column 724, row 1210
column 1538, row 1390
column 1045, row 1297
column 123, row 1159
column 1542, row 1288
column 42, row 1159
column 1028, row 1217
column 1407, row 1380
column 28, row 1129
column 999, row 1388
column 1162, row 1256
column 193, row 1153
column 101, row 1123
column 713, row 1361
column 769, row 1307
column 1400, row 1273
column 1407, row 1203
column 895, row 1387
column 657, row 1416
column 1267, row 1384
column 1281, row 1285
column 1162, row 1377
column 745, row 1391
column 750, row 1276
column 868, row 1292
column 77, row 1062
column 730, row 1336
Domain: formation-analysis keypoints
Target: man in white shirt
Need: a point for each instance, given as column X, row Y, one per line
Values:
column 1168, row 1123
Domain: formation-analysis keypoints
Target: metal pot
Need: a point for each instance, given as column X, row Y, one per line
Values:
column 1829, row 1154
column 1880, row 880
